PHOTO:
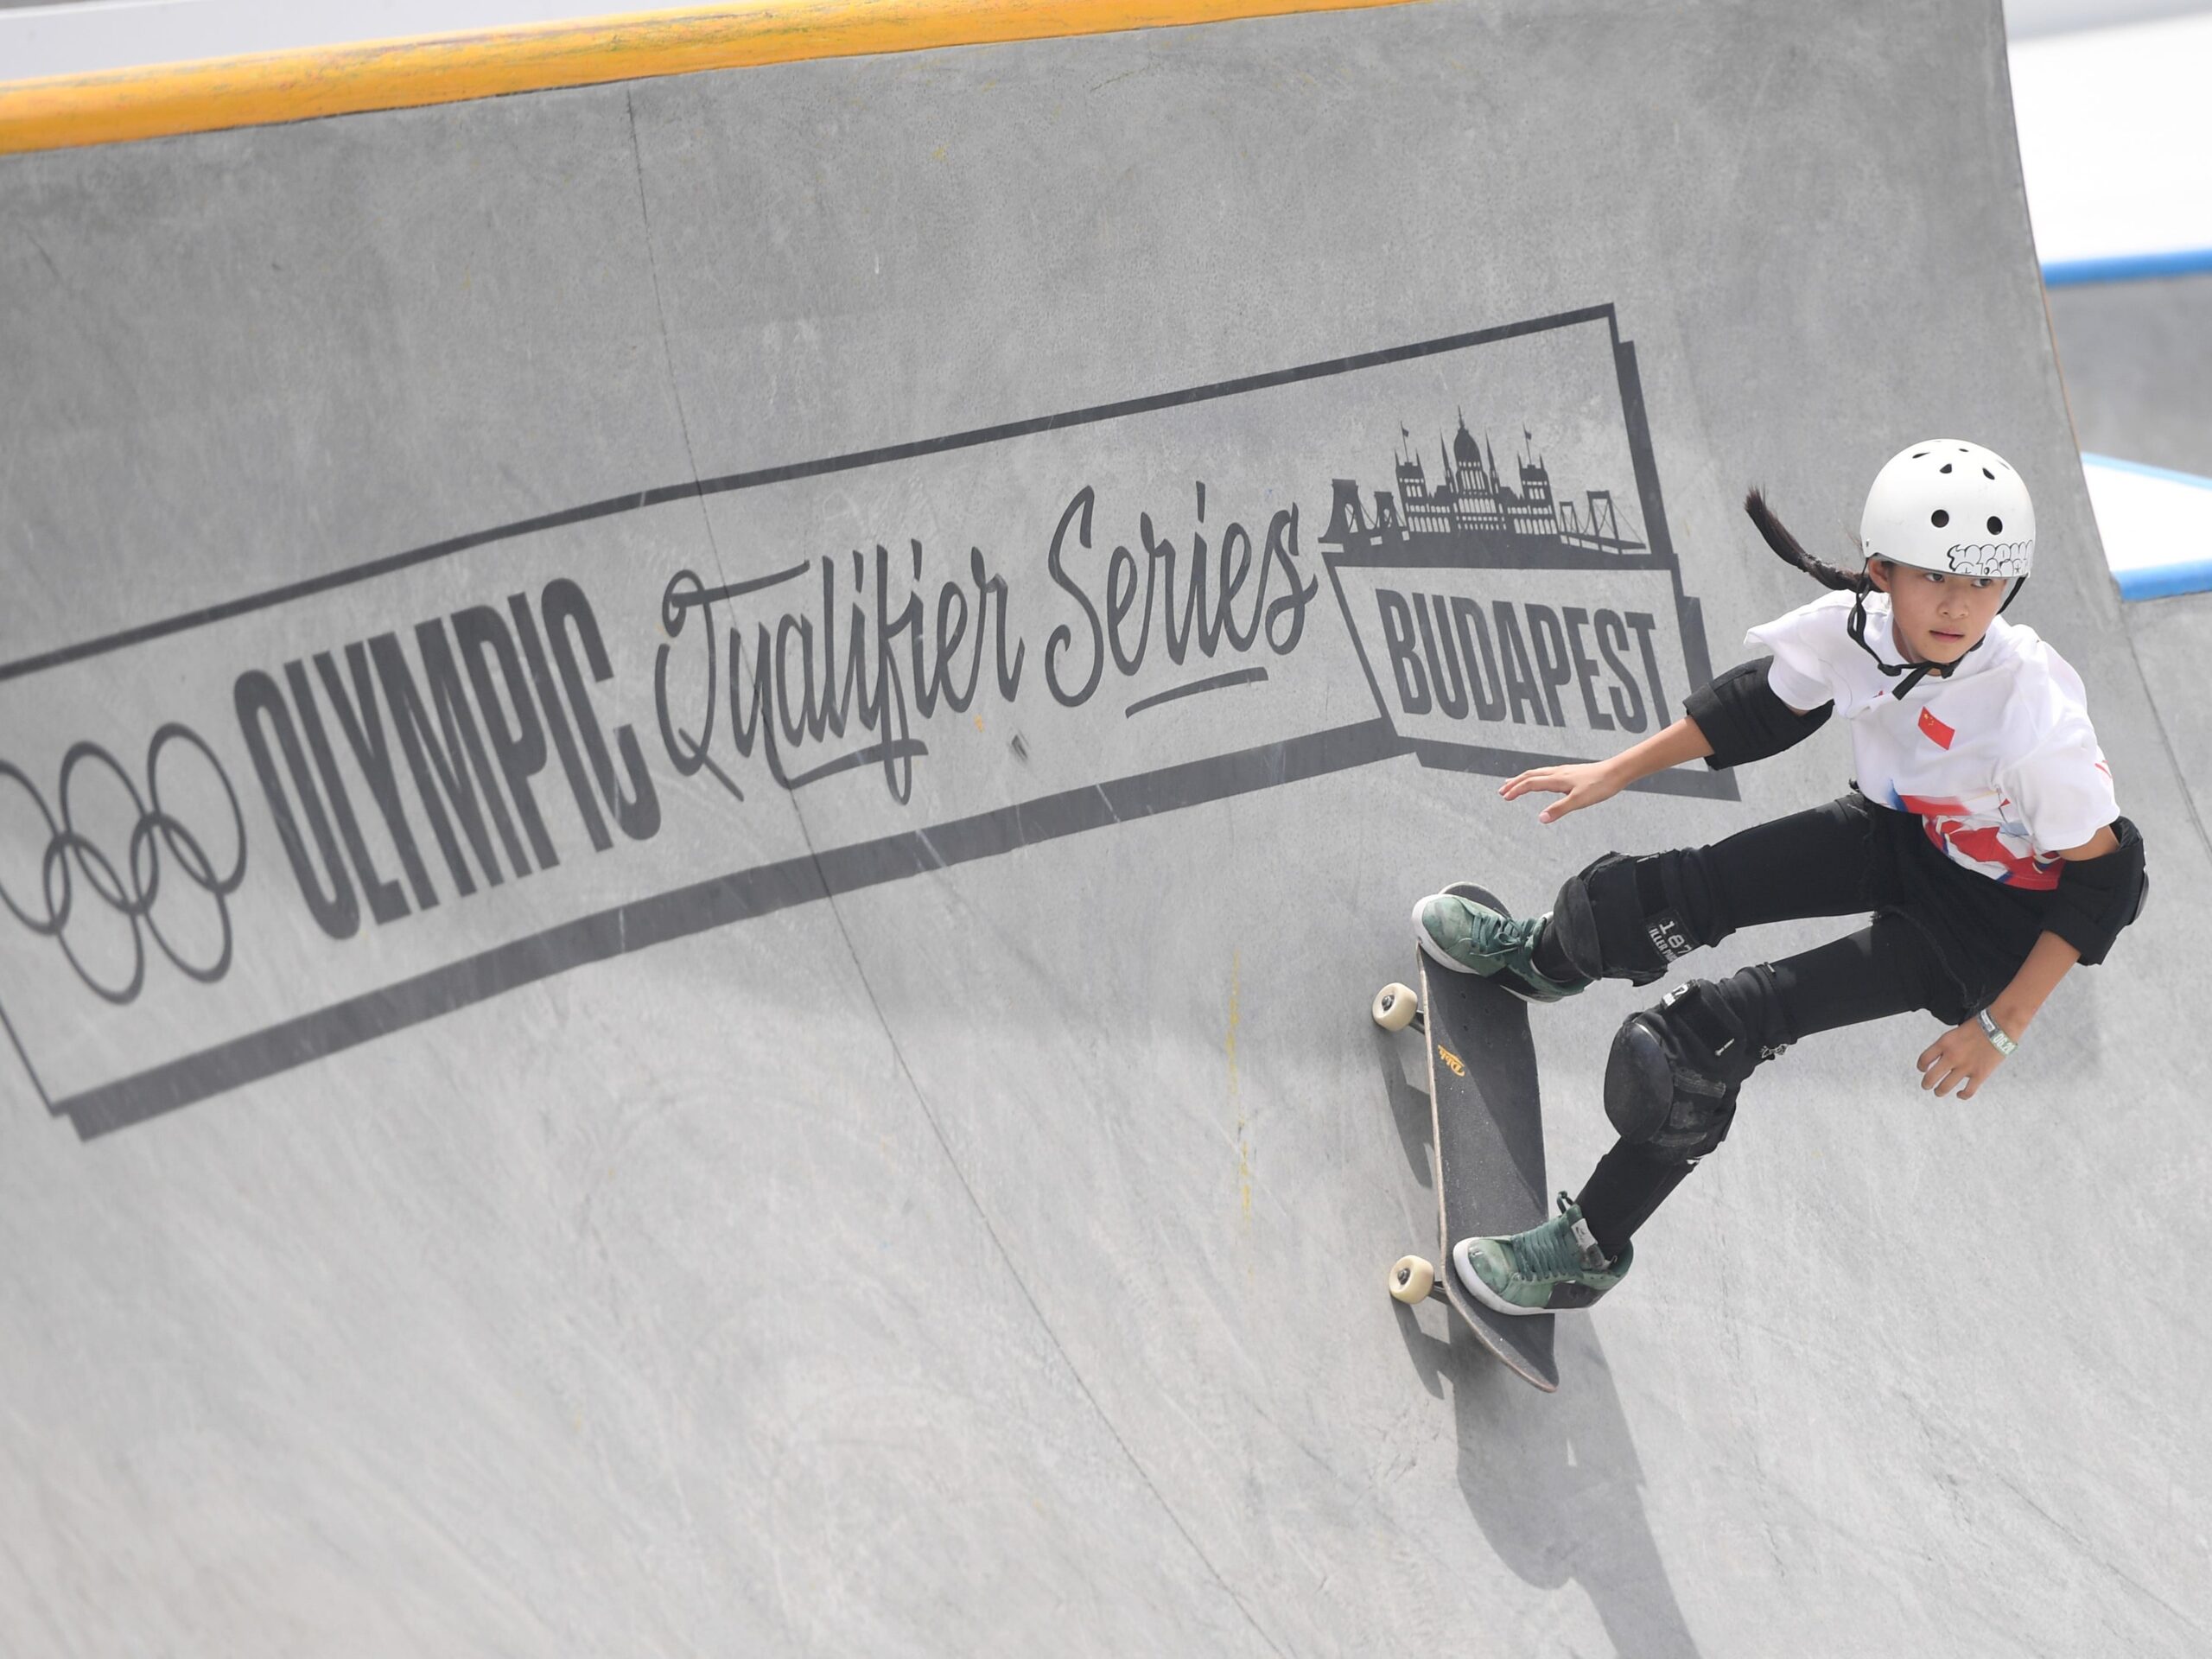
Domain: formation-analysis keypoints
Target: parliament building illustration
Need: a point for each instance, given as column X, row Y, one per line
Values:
column 1472, row 515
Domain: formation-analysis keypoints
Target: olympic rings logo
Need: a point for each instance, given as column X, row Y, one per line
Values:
column 159, row 841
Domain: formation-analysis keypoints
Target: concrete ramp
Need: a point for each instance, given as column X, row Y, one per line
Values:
column 705, row 780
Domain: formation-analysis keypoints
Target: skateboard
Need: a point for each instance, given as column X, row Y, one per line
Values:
column 1489, row 1139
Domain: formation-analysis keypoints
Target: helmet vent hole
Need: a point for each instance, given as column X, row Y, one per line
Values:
column 1939, row 517
column 1917, row 454
column 1991, row 476
column 1945, row 467
column 1996, row 525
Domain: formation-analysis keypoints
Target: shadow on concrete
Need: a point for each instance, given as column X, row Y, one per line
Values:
column 1408, row 1109
column 1553, row 1480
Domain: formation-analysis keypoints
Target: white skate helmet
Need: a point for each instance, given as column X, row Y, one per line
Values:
column 1950, row 505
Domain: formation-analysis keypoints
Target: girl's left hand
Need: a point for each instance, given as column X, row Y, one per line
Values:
column 1961, row 1056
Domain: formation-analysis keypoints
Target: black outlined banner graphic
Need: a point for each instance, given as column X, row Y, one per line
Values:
column 243, row 838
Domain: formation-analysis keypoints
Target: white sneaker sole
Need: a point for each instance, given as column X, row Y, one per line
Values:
column 1472, row 1282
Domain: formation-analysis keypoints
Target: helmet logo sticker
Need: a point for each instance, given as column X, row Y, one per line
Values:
column 1990, row 558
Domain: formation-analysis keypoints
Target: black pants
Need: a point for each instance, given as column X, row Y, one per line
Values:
column 1940, row 938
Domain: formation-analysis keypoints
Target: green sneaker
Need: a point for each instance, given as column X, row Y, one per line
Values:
column 1544, row 1270
column 1473, row 939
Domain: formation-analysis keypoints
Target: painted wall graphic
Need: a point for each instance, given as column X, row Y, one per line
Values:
column 240, row 840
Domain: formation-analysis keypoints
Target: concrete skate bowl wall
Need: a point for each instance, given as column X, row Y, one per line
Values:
column 705, row 777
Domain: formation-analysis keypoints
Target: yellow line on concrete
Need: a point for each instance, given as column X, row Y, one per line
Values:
column 165, row 99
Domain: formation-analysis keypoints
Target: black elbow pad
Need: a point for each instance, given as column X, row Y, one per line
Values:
column 1743, row 720
column 2098, row 897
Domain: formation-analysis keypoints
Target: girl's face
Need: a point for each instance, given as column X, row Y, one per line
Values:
column 1938, row 617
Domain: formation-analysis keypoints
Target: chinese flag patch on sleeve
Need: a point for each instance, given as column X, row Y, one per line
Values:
column 1936, row 730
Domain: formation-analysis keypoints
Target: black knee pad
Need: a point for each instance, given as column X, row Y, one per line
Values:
column 1672, row 1078
column 1627, row 918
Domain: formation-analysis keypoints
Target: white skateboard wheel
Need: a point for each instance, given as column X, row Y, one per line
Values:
column 1394, row 1006
column 1412, row 1280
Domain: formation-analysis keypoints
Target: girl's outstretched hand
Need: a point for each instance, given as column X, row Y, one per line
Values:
column 1961, row 1058
column 1585, row 784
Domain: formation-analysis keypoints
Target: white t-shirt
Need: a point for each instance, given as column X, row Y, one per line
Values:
column 1998, row 760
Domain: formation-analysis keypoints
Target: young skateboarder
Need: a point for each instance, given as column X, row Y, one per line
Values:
column 1982, row 835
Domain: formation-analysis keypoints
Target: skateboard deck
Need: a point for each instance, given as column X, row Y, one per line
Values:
column 1488, row 1127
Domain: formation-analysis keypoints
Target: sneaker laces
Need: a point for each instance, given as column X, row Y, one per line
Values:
column 1549, row 1251
column 1519, row 933
column 1562, row 1247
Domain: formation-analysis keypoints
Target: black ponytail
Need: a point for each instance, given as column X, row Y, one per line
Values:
column 1786, row 547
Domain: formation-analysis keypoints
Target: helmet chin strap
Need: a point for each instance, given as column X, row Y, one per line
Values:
column 1916, row 672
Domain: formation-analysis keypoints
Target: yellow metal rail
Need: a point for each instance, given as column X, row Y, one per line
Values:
column 169, row 99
